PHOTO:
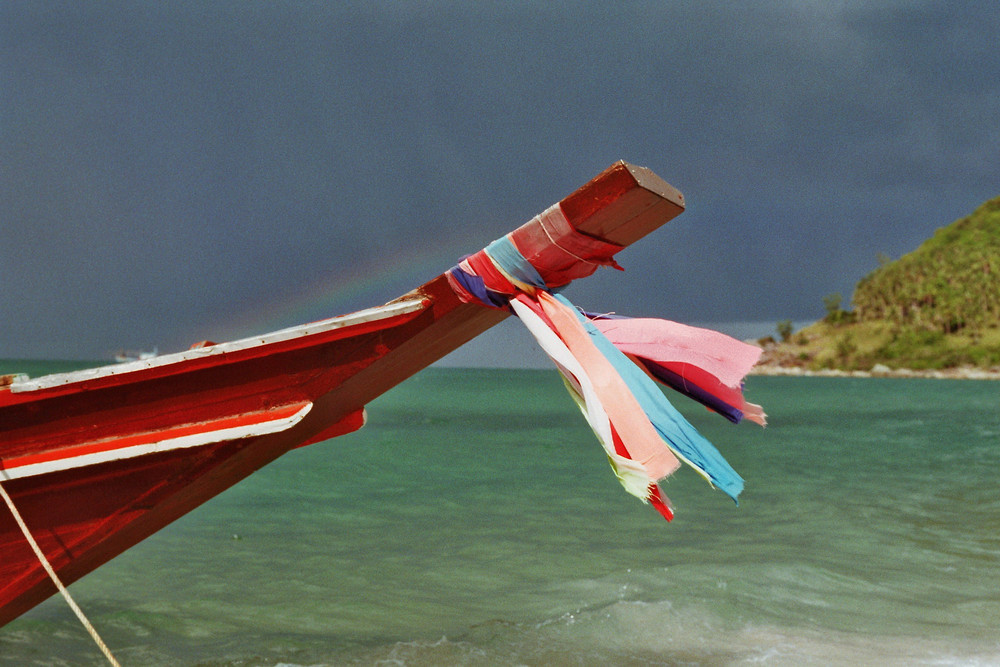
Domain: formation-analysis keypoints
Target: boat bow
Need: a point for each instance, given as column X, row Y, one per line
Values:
column 100, row 459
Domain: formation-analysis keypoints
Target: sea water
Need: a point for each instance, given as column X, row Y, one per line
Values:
column 475, row 521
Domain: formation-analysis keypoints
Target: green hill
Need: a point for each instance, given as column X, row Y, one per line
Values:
column 936, row 307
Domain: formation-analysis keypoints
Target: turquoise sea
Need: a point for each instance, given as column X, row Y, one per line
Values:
column 475, row 521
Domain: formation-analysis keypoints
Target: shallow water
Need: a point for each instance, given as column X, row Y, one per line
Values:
column 475, row 521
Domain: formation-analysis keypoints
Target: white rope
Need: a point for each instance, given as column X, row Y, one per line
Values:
column 558, row 212
column 55, row 579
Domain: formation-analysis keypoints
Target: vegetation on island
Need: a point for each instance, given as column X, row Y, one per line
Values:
column 937, row 307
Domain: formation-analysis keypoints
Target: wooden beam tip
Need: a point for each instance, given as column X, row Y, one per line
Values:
column 647, row 179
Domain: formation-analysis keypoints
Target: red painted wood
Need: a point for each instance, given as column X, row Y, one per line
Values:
column 85, row 516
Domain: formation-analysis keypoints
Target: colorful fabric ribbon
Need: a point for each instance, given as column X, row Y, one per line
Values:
column 609, row 364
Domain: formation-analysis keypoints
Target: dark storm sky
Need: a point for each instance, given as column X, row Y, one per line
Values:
column 171, row 172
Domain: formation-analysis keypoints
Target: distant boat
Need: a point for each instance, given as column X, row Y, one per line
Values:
column 125, row 356
column 97, row 460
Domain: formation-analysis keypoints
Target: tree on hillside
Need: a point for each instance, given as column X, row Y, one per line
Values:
column 834, row 313
column 785, row 330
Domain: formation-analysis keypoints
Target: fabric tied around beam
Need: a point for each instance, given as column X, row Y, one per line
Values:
column 611, row 365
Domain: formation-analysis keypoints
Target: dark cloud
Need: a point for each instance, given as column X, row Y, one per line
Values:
column 169, row 170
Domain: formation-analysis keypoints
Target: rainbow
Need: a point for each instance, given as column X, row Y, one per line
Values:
column 370, row 281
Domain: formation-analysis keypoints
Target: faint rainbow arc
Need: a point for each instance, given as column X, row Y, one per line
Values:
column 363, row 284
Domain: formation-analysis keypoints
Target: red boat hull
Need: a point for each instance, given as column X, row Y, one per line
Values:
column 97, row 461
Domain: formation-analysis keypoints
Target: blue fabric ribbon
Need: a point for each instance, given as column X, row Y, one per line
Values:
column 682, row 437
column 506, row 255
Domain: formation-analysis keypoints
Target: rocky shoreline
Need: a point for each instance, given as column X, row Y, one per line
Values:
column 882, row 371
